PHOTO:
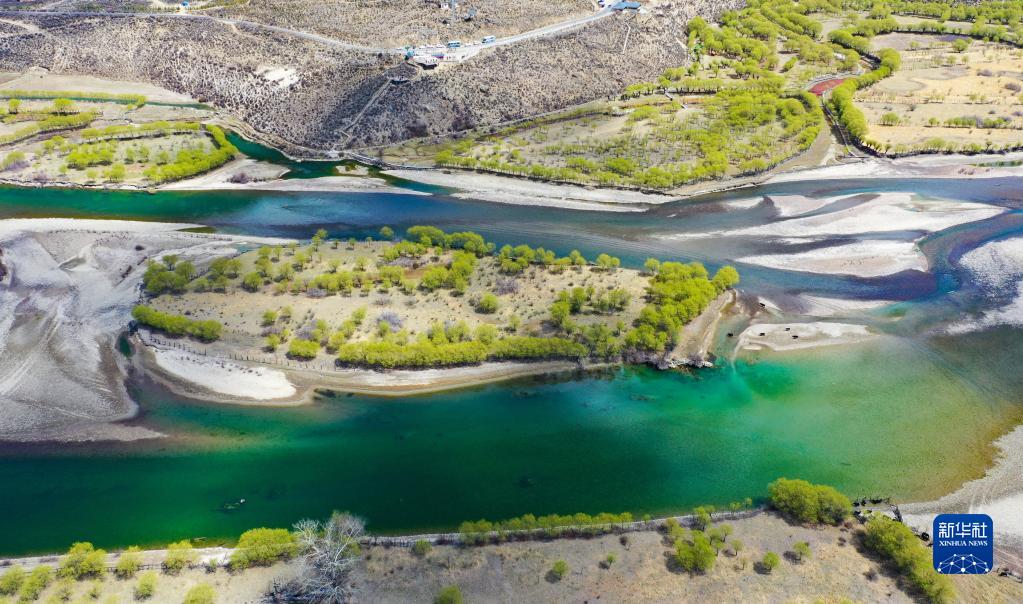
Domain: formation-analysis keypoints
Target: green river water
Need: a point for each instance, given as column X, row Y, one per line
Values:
column 910, row 414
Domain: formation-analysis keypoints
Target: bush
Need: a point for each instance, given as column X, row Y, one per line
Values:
column 82, row 560
column 176, row 324
column 179, row 555
column 303, row 349
column 897, row 543
column 449, row 595
column 487, row 304
column 804, row 502
column 770, row 561
column 35, row 583
column 263, row 546
column 128, row 563
column 801, row 550
column 559, row 569
column 146, row 586
column 11, row 580
column 697, row 556
column 200, row 594
column 421, row 547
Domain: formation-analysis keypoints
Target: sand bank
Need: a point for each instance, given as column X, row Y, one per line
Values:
column 795, row 336
column 69, row 293
column 517, row 191
column 871, row 258
column 267, row 177
column 819, row 306
column 224, row 377
column 920, row 166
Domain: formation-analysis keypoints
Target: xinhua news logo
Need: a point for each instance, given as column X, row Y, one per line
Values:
column 964, row 544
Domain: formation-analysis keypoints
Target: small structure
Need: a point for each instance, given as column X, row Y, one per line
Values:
column 489, row 39
column 454, row 44
column 625, row 5
column 426, row 61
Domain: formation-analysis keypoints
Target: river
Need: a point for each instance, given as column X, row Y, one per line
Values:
column 908, row 414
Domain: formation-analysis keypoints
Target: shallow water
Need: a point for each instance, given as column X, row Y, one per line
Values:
column 908, row 415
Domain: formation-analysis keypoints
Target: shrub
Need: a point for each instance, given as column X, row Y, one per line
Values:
column 35, row 583
column 697, row 556
column 449, row 595
column 770, row 561
column 559, row 569
column 487, row 304
column 11, row 580
column 200, row 594
column 801, row 550
column 176, row 324
column 146, row 586
column 179, row 555
column 421, row 547
column 128, row 563
column 82, row 560
column 897, row 543
column 263, row 546
column 303, row 349
column 804, row 502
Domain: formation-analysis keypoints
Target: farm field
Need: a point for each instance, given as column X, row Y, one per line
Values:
column 951, row 92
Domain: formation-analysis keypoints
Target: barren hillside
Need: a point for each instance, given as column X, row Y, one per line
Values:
column 307, row 93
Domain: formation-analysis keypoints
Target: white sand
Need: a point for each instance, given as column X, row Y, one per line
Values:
column 997, row 267
column 819, row 306
column 797, row 205
column 862, row 259
column 922, row 166
column 518, row 191
column 779, row 336
column 225, row 377
column 888, row 212
column 70, row 291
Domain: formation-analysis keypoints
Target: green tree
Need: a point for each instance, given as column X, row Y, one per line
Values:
column 202, row 593
column 386, row 233
column 487, row 304
column 262, row 547
column 449, row 595
column 559, row 569
column 13, row 105
column 421, row 547
column 805, row 502
column 897, row 543
column 179, row 555
column 82, row 560
column 770, row 562
column 252, row 281
column 146, row 586
column 11, row 580
column 801, row 550
column 128, row 563
column 695, row 556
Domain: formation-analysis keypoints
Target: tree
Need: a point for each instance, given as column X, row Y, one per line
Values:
column 202, row 593
column 330, row 550
column 11, row 580
column 146, row 586
column 179, row 555
column 770, row 562
column 13, row 105
column 487, row 304
column 421, row 547
column 737, row 546
column 263, row 546
column 63, row 106
column 559, row 569
column 697, row 556
column 449, row 595
column 128, row 563
column 801, row 550
column 897, row 543
column 82, row 560
column 805, row 502
column 890, row 119
column 386, row 233
column 252, row 281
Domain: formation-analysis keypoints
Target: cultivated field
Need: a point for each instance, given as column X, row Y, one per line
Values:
column 951, row 92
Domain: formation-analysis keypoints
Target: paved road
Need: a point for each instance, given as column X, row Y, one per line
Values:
column 461, row 53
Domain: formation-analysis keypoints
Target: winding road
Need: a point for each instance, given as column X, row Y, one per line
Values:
column 460, row 53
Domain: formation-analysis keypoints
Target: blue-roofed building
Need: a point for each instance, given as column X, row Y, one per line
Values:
column 625, row 5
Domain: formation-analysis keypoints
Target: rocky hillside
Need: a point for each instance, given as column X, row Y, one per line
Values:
column 302, row 93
